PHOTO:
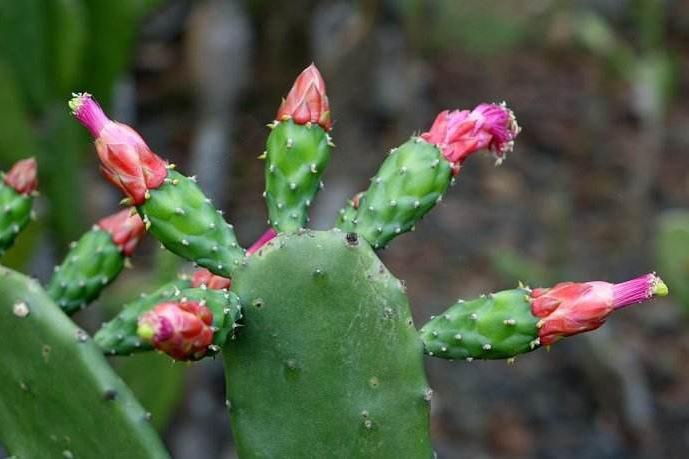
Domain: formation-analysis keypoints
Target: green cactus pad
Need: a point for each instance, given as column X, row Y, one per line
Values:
column 409, row 183
column 188, row 225
column 119, row 337
column 91, row 264
column 496, row 326
column 58, row 396
column 296, row 156
column 15, row 214
column 328, row 362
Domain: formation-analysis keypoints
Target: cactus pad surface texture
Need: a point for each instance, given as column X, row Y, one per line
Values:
column 58, row 396
column 328, row 362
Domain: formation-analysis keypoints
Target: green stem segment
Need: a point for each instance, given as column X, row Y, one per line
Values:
column 180, row 216
column 411, row 180
column 15, row 214
column 496, row 326
column 91, row 264
column 296, row 157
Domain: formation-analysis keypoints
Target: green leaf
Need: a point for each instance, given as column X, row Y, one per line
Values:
column 16, row 136
column 67, row 30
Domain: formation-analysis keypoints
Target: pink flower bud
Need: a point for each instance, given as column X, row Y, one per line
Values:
column 460, row 133
column 126, row 160
column 267, row 236
column 204, row 277
column 181, row 330
column 125, row 228
column 22, row 176
column 569, row 308
column 307, row 101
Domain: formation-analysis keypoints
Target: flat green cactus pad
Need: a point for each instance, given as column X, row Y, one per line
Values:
column 328, row 362
column 58, row 396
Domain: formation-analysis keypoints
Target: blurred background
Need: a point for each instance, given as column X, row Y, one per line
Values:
column 597, row 187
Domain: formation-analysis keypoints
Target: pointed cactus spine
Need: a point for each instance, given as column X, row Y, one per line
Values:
column 416, row 175
column 171, row 205
column 95, row 260
column 17, row 189
column 297, row 151
column 505, row 324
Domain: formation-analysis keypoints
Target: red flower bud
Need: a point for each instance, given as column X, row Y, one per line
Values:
column 22, row 176
column 307, row 101
column 181, row 330
column 125, row 228
column 267, row 236
column 126, row 160
column 569, row 308
column 460, row 133
column 204, row 277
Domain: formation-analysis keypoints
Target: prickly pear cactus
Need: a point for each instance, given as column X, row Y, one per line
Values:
column 328, row 362
column 321, row 354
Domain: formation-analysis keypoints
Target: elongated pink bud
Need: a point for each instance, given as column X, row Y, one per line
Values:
column 307, row 101
column 181, row 330
column 22, row 176
column 460, row 133
column 203, row 277
column 126, row 160
column 569, row 308
column 125, row 228
column 267, row 236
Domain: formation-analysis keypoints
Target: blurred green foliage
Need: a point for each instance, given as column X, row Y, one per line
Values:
column 672, row 252
column 49, row 48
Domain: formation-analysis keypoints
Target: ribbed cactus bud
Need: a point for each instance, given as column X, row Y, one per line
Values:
column 16, row 199
column 307, row 101
column 95, row 260
column 297, row 152
column 570, row 308
column 171, row 205
column 511, row 322
column 23, row 176
column 203, row 278
column 182, row 330
column 416, row 175
column 126, row 161
column 119, row 336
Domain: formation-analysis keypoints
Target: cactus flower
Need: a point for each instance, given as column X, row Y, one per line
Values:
column 460, row 133
column 125, row 228
column 22, row 176
column 569, row 308
column 182, row 330
column 307, row 101
column 203, row 277
column 267, row 236
column 126, row 161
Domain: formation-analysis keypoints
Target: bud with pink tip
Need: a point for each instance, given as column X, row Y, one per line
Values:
column 307, row 101
column 125, row 228
column 205, row 278
column 182, row 330
column 460, row 133
column 22, row 176
column 126, row 161
column 569, row 308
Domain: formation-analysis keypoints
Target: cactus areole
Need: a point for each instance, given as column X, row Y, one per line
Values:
column 321, row 354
